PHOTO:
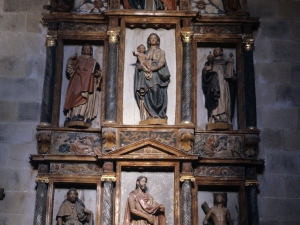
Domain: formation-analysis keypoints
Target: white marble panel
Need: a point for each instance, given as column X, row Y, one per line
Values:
column 87, row 196
column 135, row 37
column 202, row 53
column 68, row 51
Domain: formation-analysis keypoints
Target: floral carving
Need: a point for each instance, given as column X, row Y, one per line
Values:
column 44, row 141
column 220, row 171
column 66, row 168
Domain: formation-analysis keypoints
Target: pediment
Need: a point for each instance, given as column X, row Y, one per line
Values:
column 148, row 147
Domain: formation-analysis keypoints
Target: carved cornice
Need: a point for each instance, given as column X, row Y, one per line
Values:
column 42, row 179
column 186, row 36
column 251, row 183
column 50, row 41
column 183, row 178
column 248, row 44
column 108, row 178
column 113, row 35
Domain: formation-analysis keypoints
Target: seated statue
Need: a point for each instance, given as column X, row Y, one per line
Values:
column 73, row 212
column 141, row 208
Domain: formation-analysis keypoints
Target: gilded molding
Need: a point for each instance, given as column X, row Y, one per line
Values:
column 251, row 182
column 186, row 36
column 248, row 44
column 42, row 179
column 108, row 178
column 183, row 178
column 50, row 41
column 113, row 36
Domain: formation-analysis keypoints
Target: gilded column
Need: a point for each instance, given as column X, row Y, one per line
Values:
column 187, row 78
column 40, row 201
column 251, row 188
column 186, row 206
column 107, row 201
column 111, row 92
column 249, row 82
column 48, row 87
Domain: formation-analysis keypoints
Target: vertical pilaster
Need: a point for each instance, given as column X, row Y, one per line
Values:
column 249, row 79
column 187, row 78
column 48, row 87
column 186, row 205
column 111, row 93
column 251, row 188
column 40, row 202
column 107, row 201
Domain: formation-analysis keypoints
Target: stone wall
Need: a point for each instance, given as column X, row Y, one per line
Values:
column 22, row 62
column 277, row 69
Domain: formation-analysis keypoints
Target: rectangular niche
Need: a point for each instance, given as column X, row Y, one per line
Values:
column 88, row 193
column 203, row 50
column 206, row 194
column 133, row 38
column 71, row 47
column 161, row 186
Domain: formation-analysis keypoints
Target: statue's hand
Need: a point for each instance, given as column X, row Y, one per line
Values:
column 161, row 208
column 208, row 68
column 97, row 73
column 151, row 219
column 87, row 211
column 152, row 68
column 73, row 57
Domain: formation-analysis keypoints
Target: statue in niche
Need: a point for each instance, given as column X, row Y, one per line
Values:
column 216, row 75
column 82, row 97
column 73, row 212
column 60, row 5
column 141, row 208
column 151, row 82
column 90, row 6
column 218, row 214
column 159, row 4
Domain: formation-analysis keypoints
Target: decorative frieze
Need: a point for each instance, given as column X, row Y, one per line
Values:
column 219, row 171
column 129, row 137
column 78, row 168
column 204, row 29
column 84, row 27
column 218, row 145
column 76, row 143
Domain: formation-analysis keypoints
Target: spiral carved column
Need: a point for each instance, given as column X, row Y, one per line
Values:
column 107, row 201
column 250, row 98
column 187, row 78
column 47, row 101
column 40, row 202
column 253, row 216
column 111, row 93
column 186, row 206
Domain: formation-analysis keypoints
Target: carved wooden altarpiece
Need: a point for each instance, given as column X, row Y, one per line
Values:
column 185, row 160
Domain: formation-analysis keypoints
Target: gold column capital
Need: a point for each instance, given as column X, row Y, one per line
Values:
column 50, row 41
column 248, row 44
column 108, row 178
column 251, row 183
column 42, row 179
column 183, row 178
column 186, row 36
column 113, row 35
